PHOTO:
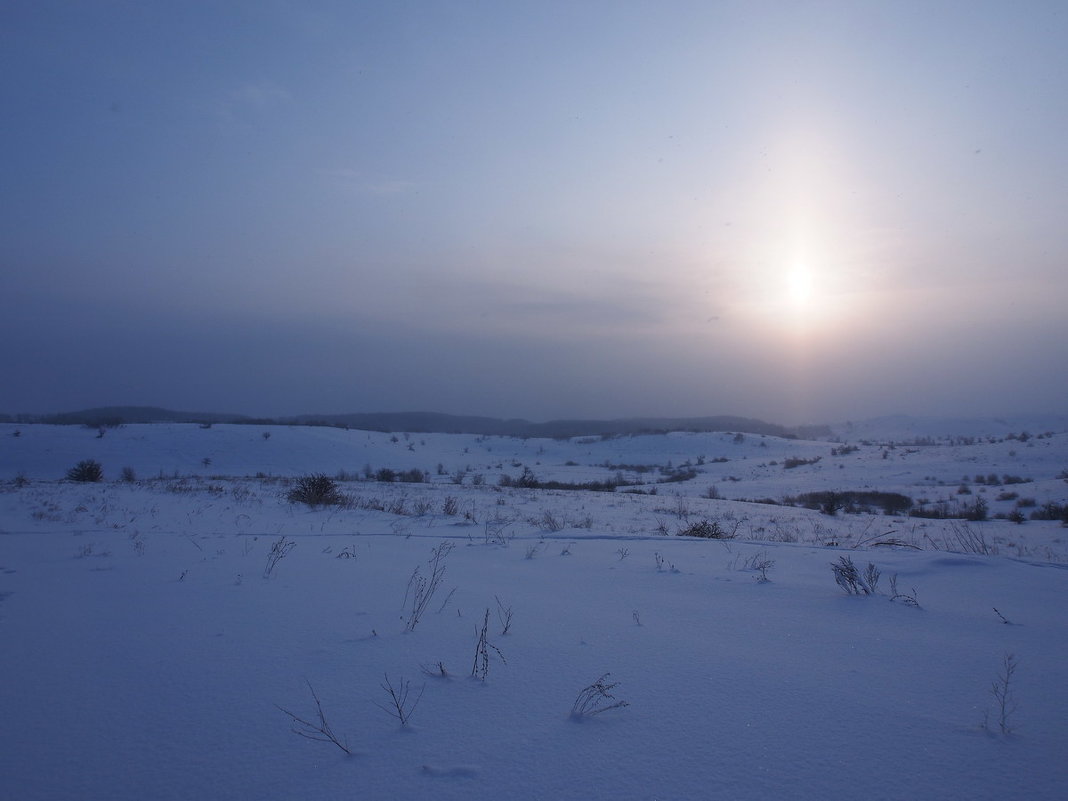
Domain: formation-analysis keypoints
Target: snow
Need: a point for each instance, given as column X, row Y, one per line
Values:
column 147, row 656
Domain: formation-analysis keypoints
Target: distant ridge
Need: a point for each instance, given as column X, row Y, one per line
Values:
column 434, row 423
column 117, row 415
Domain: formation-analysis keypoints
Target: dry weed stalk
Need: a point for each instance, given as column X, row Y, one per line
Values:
column 321, row 731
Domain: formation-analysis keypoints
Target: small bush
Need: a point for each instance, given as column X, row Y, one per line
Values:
column 706, row 529
column 850, row 579
column 791, row 462
column 315, row 490
column 86, row 470
column 976, row 512
column 1051, row 511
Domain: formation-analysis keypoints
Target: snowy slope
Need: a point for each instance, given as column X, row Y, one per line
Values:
column 148, row 654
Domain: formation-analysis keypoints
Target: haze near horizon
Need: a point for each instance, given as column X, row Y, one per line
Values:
column 798, row 212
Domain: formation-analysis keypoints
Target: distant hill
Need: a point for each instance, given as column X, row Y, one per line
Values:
column 434, row 422
column 904, row 428
column 117, row 415
column 416, row 422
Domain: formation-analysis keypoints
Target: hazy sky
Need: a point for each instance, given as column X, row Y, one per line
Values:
column 801, row 211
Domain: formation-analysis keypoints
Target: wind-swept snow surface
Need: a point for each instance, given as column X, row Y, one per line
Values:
column 148, row 648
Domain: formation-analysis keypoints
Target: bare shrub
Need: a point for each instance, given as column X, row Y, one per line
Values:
column 761, row 564
column 706, row 529
column 399, row 705
column 320, row 731
column 849, row 578
column 450, row 506
column 317, row 489
column 87, row 470
column 596, row 698
column 548, row 521
column 792, row 461
column 495, row 527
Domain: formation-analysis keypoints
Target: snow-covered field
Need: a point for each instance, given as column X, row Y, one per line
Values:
column 147, row 655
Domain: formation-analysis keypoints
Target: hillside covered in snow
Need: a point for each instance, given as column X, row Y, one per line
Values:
column 636, row 617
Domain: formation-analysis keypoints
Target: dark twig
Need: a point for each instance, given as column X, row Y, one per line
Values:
column 321, row 731
column 480, row 667
column 399, row 707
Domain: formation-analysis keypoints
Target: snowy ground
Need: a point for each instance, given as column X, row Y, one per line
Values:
column 147, row 655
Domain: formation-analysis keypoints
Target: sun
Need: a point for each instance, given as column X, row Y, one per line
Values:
column 799, row 289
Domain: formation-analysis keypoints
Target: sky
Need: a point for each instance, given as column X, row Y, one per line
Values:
column 798, row 211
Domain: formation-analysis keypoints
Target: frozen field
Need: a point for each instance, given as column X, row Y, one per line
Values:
column 151, row 646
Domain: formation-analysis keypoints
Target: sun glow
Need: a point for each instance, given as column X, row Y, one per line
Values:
column 799, row 286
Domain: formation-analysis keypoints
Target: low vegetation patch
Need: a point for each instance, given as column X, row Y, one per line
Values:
column 706, row 529
column 315, row 490
column 853, row 502
column 791, row 462
column 88, row 470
